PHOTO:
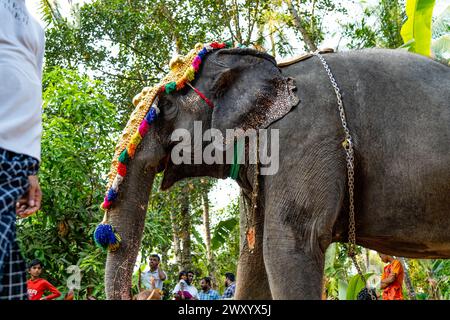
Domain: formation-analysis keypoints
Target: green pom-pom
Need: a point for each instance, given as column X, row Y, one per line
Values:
column 228, row 44
column 124, row 157
column 170, row 87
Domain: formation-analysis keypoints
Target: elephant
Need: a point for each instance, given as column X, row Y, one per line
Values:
column 397, row 107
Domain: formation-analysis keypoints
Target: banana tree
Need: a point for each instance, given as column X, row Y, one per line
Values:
column 416, row 32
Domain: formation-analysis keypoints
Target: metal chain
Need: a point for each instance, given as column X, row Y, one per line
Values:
column 347, row 144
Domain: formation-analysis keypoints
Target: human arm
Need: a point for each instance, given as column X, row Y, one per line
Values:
column 395, row 270
column 162, row 275
column 388, row 280
column 31, row 201
column 55, row 292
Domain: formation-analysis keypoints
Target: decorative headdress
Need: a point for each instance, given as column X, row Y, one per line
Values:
column 182, row 71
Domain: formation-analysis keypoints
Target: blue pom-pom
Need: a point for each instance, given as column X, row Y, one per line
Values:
column 105, row 236
column 202, row 53
column 112, row 195
column 151, row 115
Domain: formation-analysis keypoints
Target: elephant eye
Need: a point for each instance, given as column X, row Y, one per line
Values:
column 223, row 82
column 168, row 108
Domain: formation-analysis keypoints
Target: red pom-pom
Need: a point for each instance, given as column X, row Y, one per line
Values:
column 216, row 45
column 122, row 169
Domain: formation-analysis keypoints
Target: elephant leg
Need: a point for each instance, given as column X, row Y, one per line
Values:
column 252, row 282
column 294, row 263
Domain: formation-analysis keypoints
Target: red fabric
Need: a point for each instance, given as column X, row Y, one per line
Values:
column 187, row 295
column 36, row 289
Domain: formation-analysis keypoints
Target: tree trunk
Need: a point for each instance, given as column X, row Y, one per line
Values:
column 411, row 292
column 185, row 231
column 297, row 22
column 176, row 238
column 211, row 263
column 236, row 21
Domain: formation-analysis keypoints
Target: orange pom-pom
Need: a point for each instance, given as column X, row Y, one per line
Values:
column 131, row 150
column 181, row 83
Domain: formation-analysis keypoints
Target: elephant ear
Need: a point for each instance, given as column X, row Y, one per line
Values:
column 251, row 93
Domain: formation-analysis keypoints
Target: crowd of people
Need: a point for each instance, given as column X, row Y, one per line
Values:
column 152, row 281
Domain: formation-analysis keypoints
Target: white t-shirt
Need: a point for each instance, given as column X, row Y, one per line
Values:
column 189, row 288
column 22, row 42
column 146, row 279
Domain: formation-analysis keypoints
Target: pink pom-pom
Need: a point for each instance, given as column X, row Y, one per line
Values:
column 196, row 63
column 106, row 204
column 143, row 128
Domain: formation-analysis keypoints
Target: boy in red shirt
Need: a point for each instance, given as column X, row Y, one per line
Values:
column 37, row 286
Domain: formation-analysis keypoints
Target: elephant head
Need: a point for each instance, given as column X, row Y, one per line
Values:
column 247, row 91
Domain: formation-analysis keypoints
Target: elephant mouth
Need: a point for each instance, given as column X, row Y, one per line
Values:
column 163, row 163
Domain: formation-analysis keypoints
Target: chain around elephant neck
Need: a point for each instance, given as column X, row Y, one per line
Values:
column 347, row 144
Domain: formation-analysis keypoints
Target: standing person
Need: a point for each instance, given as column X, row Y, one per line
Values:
column 392, row 278
column 207, row 293
column 184, row 290
column 230, row 286
column 38, row 286
column 153, row 279
column 22, row 43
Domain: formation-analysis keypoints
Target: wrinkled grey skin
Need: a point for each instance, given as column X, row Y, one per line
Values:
column 398, row 111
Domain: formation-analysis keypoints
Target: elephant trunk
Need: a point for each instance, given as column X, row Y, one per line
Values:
column 128, row 217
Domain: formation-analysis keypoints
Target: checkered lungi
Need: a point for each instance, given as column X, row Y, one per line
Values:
column 14, row 171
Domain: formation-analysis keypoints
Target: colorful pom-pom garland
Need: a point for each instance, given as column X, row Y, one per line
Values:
column 105, row 236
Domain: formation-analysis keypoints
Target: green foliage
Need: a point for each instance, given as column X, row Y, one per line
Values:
column 77, row 143
column 355, row 285
column 416, row 32
column 222, row 231
column 431, row 278
column 379, row 27
column 440, row 46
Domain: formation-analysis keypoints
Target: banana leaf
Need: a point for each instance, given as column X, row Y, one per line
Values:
column 416, row 32
column 355, row 285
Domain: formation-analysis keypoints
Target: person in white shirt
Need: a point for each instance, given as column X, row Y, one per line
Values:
column 184, row 290
column 153, row 278
column 22, row 43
